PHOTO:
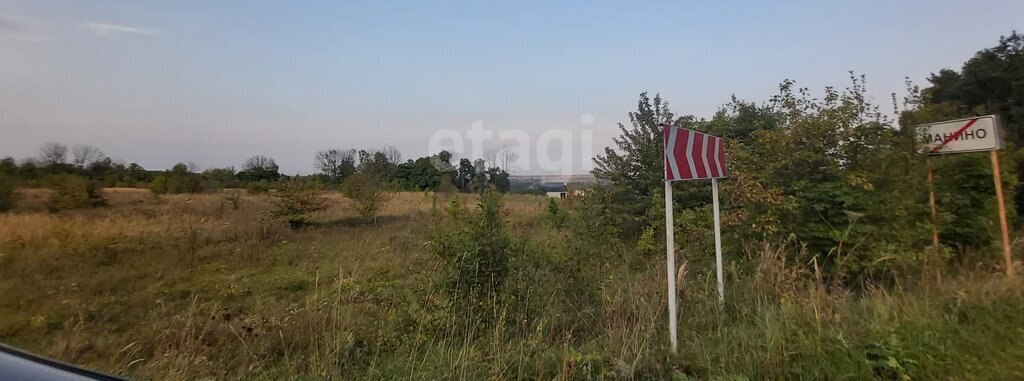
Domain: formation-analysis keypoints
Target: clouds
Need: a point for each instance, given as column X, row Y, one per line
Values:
column 106, row 30
column 20, row 28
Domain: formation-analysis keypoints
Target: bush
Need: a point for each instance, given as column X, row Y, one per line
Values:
column 73, row 191
column 368, row 191
column 555, row 216
column 159, row 185
column 476, row 254
column 7, row 194
column 257, row 187
column 295, row 200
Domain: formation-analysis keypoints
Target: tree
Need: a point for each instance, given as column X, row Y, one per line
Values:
column 991, row 82
column 499, row 179
column 491, row 158
column 465, row 175
column 444, row 161
column 217, row 178
column 296, row 200
column 84, row 155
column 8, row 166
column 479, row 181
column 377, row 163
column 394, row 156
column 335, row 165
column 259, row 167
column 181, row 179
column 634, row 171
column 137, row 173
column 418, row 175
column 506, row 158
column 369, row 192
column 53, row 154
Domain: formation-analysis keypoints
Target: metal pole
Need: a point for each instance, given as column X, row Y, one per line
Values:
column 718, row 243
column 997, row 177
column 935, row 222
column 671, row 265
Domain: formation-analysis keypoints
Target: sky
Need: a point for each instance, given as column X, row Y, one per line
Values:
column 214, row 82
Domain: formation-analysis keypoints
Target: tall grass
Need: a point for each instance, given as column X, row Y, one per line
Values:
column 128, row 289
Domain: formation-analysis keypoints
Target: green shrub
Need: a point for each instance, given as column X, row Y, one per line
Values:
column 370, row 192
column 73, row 191
column 7, row 194
column 159, row 185
column 257, row 187
column 476, row 251
column 555, row 216
column 296, row 200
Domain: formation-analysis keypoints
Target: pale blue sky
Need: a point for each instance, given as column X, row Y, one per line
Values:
column 213, row 82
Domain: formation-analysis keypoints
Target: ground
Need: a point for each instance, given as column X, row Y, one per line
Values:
column 189, row 287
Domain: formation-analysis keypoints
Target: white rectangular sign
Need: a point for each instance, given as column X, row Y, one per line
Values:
column 980, row 133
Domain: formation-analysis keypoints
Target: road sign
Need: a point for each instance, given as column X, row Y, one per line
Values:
column 692, row 155
column 981, row 133
column 962, row 135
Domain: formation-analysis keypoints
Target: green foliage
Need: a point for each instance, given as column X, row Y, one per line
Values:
column 965, row 192
column 888, row 360
column 295, row 200
column 8, row 195
column 419, row 175
column 159, row 185
column 475, row 176
column 218, row 178
column 988, row 83
column 555, row 216
column 72, row 192
column 476, row 252
column 369, row 192
column 180, row 179
column 257, row 187
column 635, row 170
column 834, row 172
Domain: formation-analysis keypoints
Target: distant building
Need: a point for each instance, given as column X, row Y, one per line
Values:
column 554, row 190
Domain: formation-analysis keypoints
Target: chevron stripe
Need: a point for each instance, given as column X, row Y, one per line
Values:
column 681, row 159
column 718, row 157
column 670, row 156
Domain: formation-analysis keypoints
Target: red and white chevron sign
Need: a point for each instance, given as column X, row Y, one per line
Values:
column 692, row 155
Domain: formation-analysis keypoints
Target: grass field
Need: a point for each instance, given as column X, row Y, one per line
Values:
column 188, row 287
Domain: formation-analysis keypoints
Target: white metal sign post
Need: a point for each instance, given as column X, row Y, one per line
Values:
column 977, row 134
column 690, row 155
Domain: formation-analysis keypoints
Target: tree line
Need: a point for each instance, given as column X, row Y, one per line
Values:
column 258, row 173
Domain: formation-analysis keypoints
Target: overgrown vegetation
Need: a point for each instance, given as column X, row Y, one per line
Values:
column 825, row 210
column 296, row 200
column 476, row 252
column 368, row 191
column 72, row 192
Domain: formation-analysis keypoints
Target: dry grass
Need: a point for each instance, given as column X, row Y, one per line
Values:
column 187, row 287
column 143, row 287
